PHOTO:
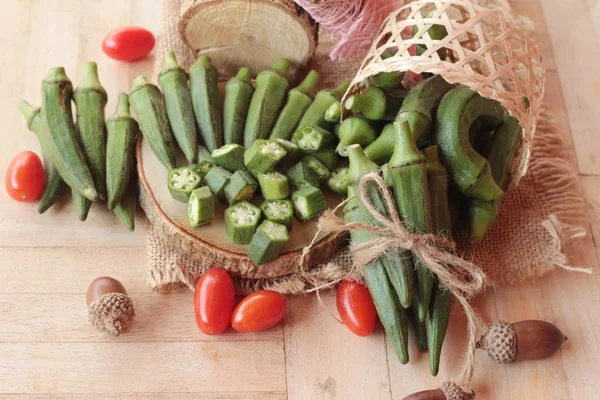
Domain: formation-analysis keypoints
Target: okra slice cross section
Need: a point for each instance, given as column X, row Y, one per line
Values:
column 201, row 206
column 338, row 181
column 241, row 221
column 263, row 155
column 312, row 138
column 230, row 157
column 318, row 167
column 308, row 203
column 280, row 211
column 267, row 242
column 181, row 182
column 274, row 185
column 217, row 179
column 241, row 186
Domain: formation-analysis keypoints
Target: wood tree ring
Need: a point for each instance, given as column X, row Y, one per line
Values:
column 253, row 33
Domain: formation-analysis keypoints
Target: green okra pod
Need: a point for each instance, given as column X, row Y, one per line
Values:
column 280, row 211
column 201, row 206
column 439, row 309
column 173, row 81
column 82, row 204
column 436, row 32
column 217, row 179
column 470, row 171
column 311, row 139
column 372, row 103
column 308, row 203
column 147, row 101
column 274, row 185
column 238, row 92
column 315, row 114
column 126, row 207
column 292, row 153
column 396, row 262
column 392, row 316
column 419, row 329
column 418, row 109
column 241, row 187
column 230, row 157
column 298, row 101
column 387, row 80
column 53, row 183
column 503, row 149
column 122, row 131
column 90, row 101
column 57, row 121
column 267, row 100
column 206, row 101
column 334, row 112
column 408, row 171
column 338, row 181
column 241, row 221
column 205, row 162
column 301, row 174
column 181, row 182
column 327, row 156
column 355, row 130
column 263, row 155
column 318, row 167
column 268, row 240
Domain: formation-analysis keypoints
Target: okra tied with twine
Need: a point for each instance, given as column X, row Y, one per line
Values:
column 462, row 278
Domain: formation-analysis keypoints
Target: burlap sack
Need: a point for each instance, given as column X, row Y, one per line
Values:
column 538, row 219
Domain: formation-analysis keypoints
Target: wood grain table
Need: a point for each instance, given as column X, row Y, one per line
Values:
column 48, row 350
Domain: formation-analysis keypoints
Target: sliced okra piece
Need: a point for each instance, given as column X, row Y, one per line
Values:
column 338, row 181
column 216, row 179
column 312, row 138
column 205, row 162
column 292, row 153
column 230, row 157
column 308, row 203
column 274, row 185
column 201, row 206
column 327, row 156
column 181, row 182
column 241, row 187
column 320, row 169
column 267, row 242
column 263, row 155
column 280, row 211
column 241, row 221
column 301, row 173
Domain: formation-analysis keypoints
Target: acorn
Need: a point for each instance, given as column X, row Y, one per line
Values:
column 448, row 391
column 110, row 309
column 525, row 340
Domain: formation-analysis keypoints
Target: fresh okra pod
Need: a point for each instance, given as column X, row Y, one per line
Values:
column 320, row 169
column 312, row 138
column 178, row 101
column 53, row 183
column 217, row 179
column 181, row 182
column 418, row 109
column 374, row 104
column 241, row 187
column 280, row 211
column 292, row 153
column 338, row 181
column 201, row 206
column 238, row 92
column 503, row 149
column 121, row 130
column 263, row 155
column 274, row 185
column 205, row 162
column 241, row 221
column 148, row 103
column 57, row 121
column 387, row 80
column 418, row 328
column 436, row 32
column 334, row 112
column 327, row 156
column 355, row 130
column 439, row 309
column 298, row 101
column 397, row 263
column 392, row 316
column 82, row 204
column 206, row 101
column 271, row 87
column 408, row 171
column 230, row 157
column 90, row 100
column 471, row 172
column 125, row 208
column 308, row 203
column 315, row 114
column 301, row 174
column 267, row 242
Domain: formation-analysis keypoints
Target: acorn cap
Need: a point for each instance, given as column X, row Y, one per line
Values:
column 500, row 342
column 112, row 313
column 454, row 392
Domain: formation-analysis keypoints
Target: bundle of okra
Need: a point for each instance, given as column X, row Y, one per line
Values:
column 94, row 157
column 447, row 159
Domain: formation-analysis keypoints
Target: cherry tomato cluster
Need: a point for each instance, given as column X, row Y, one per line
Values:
column 215, row 310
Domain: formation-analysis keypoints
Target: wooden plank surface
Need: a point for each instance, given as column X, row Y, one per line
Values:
column 49, row 351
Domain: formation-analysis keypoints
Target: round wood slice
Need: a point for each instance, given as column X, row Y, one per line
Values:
column 208, row 244
column 254, row 34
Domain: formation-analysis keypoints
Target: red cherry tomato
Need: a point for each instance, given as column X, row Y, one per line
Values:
column 25, row 177
column 356, row 308
column 214, row 299
column 128, row 43
column 259, row 311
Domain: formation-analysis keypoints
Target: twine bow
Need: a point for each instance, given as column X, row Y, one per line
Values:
column 461, row 277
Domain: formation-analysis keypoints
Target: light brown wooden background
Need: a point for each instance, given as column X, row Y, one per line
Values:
column 48, row 350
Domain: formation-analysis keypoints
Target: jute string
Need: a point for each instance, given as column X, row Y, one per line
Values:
column 461, row 277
